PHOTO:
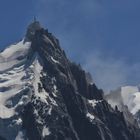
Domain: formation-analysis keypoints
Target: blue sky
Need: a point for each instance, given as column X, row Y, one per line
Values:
column 104, row 36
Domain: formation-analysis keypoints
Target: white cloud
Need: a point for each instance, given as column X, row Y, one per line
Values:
column 110, row 73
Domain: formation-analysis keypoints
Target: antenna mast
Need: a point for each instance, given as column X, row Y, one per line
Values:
column 35, row 19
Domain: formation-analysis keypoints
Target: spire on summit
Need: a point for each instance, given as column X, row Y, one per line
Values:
column 35, row 19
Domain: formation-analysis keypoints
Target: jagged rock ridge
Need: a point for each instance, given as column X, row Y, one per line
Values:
column 53, row 98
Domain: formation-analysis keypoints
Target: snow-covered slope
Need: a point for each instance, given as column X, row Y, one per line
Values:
column 16, row 80
column 19, row 79
column 12, row 87
column 11, row 73
column 13, row 55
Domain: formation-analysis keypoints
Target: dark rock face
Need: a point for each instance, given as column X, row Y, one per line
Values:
column 75, row 117
column 68, row 107
column 32, row 28
column 138, row 117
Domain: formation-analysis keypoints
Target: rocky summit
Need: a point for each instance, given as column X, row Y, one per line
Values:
column 45, row 96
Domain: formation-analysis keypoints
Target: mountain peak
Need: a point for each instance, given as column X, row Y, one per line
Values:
column 32, row 28
column 43, row 95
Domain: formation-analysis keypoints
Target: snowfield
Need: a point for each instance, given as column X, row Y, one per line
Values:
column 13, row 55
column 11, row 83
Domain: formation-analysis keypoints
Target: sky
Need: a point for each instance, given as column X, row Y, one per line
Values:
column 103, row 36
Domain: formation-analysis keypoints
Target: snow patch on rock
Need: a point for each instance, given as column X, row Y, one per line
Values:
column 93, row 103
column 45, row 132
column 90, row 116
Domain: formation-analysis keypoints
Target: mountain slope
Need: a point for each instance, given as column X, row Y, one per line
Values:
column 44, row 96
